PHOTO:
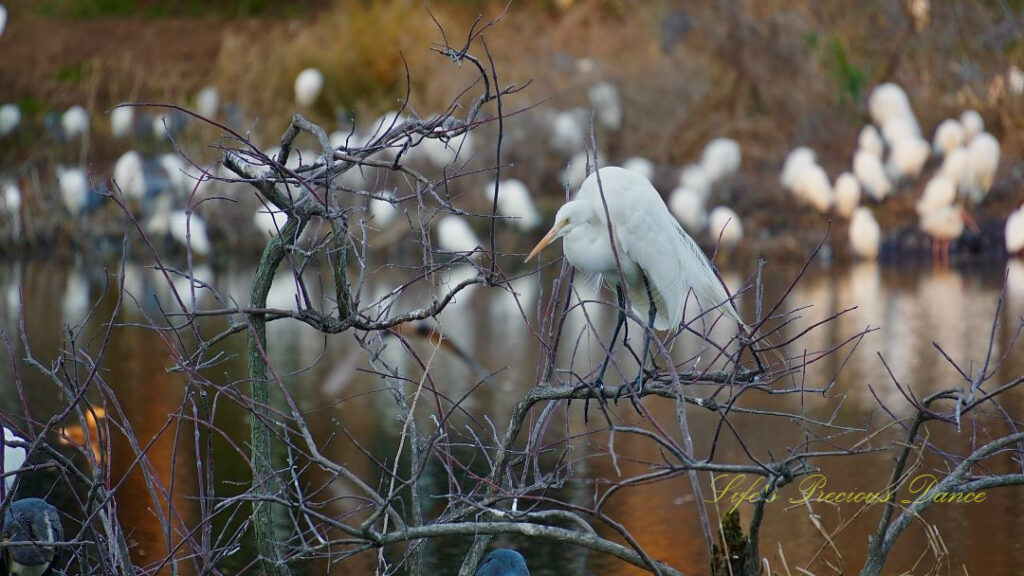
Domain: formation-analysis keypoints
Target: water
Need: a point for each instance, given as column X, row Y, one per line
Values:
column 331, row 383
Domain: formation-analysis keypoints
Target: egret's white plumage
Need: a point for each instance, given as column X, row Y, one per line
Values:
column 687, row 205
column 1015, row 80
column 269, row 221
column 954, row 165
column 308, row 85
column 122, row 119
column 943, row 224
column 182, row 226
column 908, row 157
column 649, row 243
column 75, row 122
column 130, row 176
column 795, row 161
column 11, row 199
column 725, row 227
column 869, row 170
column 207, row 102
column 14, row 459
column 847, row 189
column 721, row 158
column 10, row 117
column 949, row 135
column 813, row 187
column 175, row 168
column 865, row 234
column 604, row 97
column 3, row 19
column 972, row 123
column 74, row 189
column 454, row 234
column 1014, row 232
column 696, row 179
column 982, row 163
column 383, row 212
column 870, row 140
column 889, row 102
column 514, row 203
column 568, row 131
column 641, row 166
column 939, row 193
column 898, row 129
column 443, row 153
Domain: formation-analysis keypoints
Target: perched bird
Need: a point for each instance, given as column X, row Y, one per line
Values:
column 869, row 170
column 889, row 102
column 208, row 102
column 899, row 128
column 130, row 176
column 10, row 117
column 982, row 163
column 122, row 120
column 454, row 234
column 568, row 131
column 74, row 122
column 190, row 230
column 720, row 158
column 725, row 227
column 383, row 212
column 847, row 189
column 795, row 161
column 939, row 193
column 14, row 459
column 308, row 85
column 1015, row 232
column 268, row 220
column 869, row 140
column 865, row 234
column 813, row 187
column 694, row 178
column 662, row 269
column 34, row 523
column 604, row 97
column 514, row 203
column 688, row 207
column 949, row 135
column 641, row 166
column 503, row 562
column 74, row 189
column 973, row 124
column 954, row 165
column 943, row 226
column 908, row 157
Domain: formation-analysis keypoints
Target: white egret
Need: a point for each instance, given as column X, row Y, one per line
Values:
column 75, row 122
column 899, row 128
column 14, row 459
column 454, row 234
column 308, row 85
column 847, row 189
column 889, row 102
column 1014, row 232
column 74, row 189
column 3, row 19
column 11, row 204
column 943, row 226
column 725, row 227
column 604, row 97
column 939, row 193
column 721, row 158
column 208, row 102
column 972, row 123
column 865, row 234
column 687, row 206
column 130, row 176
column 175, row 168
column 122, row 119
column 1015, row 80
column 10, row 117
column 514, row 203
column 443, row 153
column 982, row 163
column 662, row 269
column 190, row 230
column 949, row 135
column 383, row 212
column 796, row 159
column 568, row 131
column 954, row 165
column 641, row 166
column 813, row 187
column 696, row 179
column 869, row 170
column 268, row 220
column 870, row 140
column 908, row 157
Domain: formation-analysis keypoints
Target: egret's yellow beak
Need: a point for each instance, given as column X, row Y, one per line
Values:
column 547, row 239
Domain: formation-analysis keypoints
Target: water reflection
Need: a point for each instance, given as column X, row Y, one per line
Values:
column 339, row 385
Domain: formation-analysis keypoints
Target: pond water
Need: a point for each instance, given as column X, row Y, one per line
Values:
column 330, row 379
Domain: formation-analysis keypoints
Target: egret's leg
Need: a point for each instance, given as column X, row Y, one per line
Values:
column 598, row 386
column 637, row 385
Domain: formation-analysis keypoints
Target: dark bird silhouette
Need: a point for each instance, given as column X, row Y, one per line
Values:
column 503, row 562
column 35, row 525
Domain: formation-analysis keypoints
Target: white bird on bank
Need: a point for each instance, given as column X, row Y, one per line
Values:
column 568, row 131
column 190, row 229
column 795, row 161
column 14, row 459
column 888, row 102
column 641, row 166
column 725, row 227
column 694, row 178
column 949, row 135
column 869, row 170
column 514, row 203
column 74, row 189
column 847, row 189
column 865, row 234
column 1014, row 232
column 454, row 234
column 870, row 140
column 269, row 221
column 721, row 158
column 130, row 176
column 662, row 267
column 813, row 187
column 943, row 226
column 939, row 193
column 973, row 124
column 308, row 85
column 983, row 153
column 11, row 204
column 954, row 165
column 208, row 102
column 687, row 205
column 908, row 157
column 122, row 120
column 604, row 97
column 74, row 122
column 10, row 117
column 383, row 212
